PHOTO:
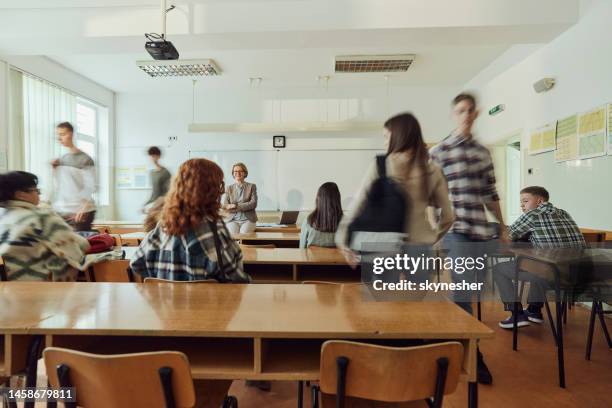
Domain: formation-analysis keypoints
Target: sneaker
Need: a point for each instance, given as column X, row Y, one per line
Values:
column 521, row 321
column 535, row 317
column 483, row 374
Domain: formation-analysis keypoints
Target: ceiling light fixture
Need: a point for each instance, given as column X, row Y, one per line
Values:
column 180, row 68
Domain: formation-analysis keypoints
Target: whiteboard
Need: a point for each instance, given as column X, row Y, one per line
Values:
column 301, row 172
column 262, row 166
column 289, row 179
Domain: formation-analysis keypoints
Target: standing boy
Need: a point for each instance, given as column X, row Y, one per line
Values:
column 468, row 168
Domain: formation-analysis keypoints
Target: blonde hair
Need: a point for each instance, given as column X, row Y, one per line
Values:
column 242, row 166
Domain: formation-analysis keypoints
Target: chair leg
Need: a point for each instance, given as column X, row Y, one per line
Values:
column 314, row 392
column 589, row 344
column 300, row 398
column 560, row 356
column 604, row 327
column 551, row 321
column 34, row 351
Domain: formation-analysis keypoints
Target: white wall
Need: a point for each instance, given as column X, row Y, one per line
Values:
column 3, row 115
column 149, row 119
column 580, row 60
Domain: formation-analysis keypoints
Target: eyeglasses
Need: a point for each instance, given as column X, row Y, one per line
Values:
column 31, row 190
column 239, row 171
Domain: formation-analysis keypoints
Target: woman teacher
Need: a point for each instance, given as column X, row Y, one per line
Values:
column 240, row 201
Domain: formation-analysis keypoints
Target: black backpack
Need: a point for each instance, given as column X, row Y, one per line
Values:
column 385, row 207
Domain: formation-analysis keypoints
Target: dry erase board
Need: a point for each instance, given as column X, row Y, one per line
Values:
column 289, row 179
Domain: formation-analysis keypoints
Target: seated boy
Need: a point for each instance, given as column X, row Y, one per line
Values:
column 546, row 227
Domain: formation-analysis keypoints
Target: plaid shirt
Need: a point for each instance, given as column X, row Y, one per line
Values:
column 192, row 256
column 547, row 227
column 468, row 168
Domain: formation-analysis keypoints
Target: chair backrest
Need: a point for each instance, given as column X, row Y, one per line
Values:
column 110, row 271
column 3, row 275
column 598, row 236
column 268, row 246
column 389, row 374
column 124, row 380
column 159, row 280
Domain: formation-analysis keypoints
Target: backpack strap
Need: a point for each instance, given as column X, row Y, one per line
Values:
column 381, row 165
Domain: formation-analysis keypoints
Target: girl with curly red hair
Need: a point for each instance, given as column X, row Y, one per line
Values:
column 191, row 241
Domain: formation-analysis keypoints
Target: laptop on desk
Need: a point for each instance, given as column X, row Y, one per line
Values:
column 289, row 217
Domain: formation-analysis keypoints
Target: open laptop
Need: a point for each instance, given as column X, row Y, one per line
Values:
column 289, row 217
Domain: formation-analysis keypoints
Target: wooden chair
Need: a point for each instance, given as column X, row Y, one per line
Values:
column 110, row 271
column 361, row 375
column 159, row 280
column 147, row 380
column 595, row 236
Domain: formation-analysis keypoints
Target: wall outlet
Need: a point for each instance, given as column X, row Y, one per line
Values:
column 172, row 138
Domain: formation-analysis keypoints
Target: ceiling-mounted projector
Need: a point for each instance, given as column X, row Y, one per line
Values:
column 162, row 50
column 157, row 46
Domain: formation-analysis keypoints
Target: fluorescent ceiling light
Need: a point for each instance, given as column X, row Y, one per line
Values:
column 267, row 127
column 179, row 68
column 373, row 63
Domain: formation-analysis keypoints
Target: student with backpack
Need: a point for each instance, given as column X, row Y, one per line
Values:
column 408, row 172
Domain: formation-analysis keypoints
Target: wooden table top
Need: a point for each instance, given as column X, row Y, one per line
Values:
column 293, row 256
column 289, row 228
column 226, row 310
column 269, row 236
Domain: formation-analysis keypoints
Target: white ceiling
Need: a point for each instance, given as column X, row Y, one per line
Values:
column 287, row 42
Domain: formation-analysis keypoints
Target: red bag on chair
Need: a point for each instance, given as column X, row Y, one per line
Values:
column 100, row 243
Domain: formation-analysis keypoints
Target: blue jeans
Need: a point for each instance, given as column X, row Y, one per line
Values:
column 461, row 246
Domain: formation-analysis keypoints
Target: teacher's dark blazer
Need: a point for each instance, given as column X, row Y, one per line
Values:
column 249, row 203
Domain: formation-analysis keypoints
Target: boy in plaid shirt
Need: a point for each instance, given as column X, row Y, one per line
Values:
column 545, row 226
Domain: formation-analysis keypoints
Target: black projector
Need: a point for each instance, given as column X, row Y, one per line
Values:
column 162, row 50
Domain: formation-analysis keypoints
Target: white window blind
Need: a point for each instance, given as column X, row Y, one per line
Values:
column 44, row 106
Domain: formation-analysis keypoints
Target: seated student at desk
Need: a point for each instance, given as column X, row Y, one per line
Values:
column 319, row 228
column 547, row 227
column 190, row 237
column 35, row 243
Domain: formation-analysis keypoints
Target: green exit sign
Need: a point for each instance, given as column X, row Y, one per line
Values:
column 497, row 109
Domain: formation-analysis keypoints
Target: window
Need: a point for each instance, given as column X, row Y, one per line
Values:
column 44, row 106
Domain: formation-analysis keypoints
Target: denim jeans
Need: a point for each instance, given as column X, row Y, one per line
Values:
column 462, row 246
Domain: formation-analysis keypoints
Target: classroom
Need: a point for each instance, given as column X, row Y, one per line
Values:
column 311, row 203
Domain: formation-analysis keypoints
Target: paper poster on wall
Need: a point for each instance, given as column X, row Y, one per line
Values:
column 141, row 177
column 123, row 177
column 610, row 128
column 542, row 140
column 567, row 139
column 592, row 133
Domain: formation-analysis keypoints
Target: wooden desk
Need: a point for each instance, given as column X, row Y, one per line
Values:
column 293, row 228
column 259, row 332
column 282, row 265
column 132, row 238
column 280, row 239
column 118, row 227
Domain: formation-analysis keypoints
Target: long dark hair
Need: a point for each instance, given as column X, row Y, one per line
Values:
column 328, row 211
column 15, row 181
column 406, row 135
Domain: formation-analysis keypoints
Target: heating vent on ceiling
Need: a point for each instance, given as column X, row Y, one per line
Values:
column 374, row 63
column 179, row 68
